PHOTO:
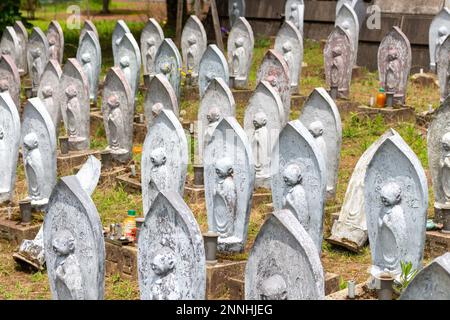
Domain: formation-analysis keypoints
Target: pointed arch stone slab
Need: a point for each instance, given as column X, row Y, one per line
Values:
column 285, row 257
column 9, row 146
column 168, row 62
column 439, row 30
column 151, row 38
column 55, row 30
column 10, row 78
column 9, row 44
column 229, row 148
column 119, row 31
column 165, row 140
column 193, row 51
column 320, row 107
column 129, row 49
column 212, row 65
column 160, row 91
column 48, row 92
column 171, row 231
column 347, row 19
column 396, row 230
column 37, row 55
column 297, row 148
column 89, row 55
column 236, row 9
column 88, row 26
column 442, row 65
column 294, row 12
column 22, row 34
column 72, row 216
column 41, row 161
column 241, row 43
column 118, row 115
column 359, row 6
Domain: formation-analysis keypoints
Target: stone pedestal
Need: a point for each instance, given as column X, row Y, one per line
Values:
column 121, row 260
column 14, row 232
column 436, row 244
column 362, row 292
column 403, row 114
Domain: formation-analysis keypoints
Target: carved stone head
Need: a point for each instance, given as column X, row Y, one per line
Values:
column 156, row 109
column 287, row 47
column 442, row 31
column 164, row 261
column 293, row 7
column 2, row 133
column 316, row 128
column 392, row 54
column 158, row 157
column 235, row 5
column 259, row 120
column 151, row 42
column 336, row 52
column 192, row 40
column 36, row 53
column 345, row 25
column 113, row 101
column 166, row 68
column 445, row 141
column 30, row 141
column 4, row 85
column 239, row 42
column 273, row 81
column 86, row 58
column 213, row 115
column 52, row 40
column 6, row 51
column 224, row 168
column 63, row 243
column 274, row 288
column 124, row 62
column 391, row 194
column 292, row 175
column 71, row 91
column 47, row 91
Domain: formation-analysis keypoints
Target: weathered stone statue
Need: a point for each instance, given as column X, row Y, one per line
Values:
column 22, row 35
column 193, row 45
column 10, row 45
column 89, row 55
column 214, row 115
column 443, row 67
column 160, row 95
column 171, row 259
column 10, row 78
column 55, row 38
column 168, row 62
column 294, row 11
column 439, row 30
column 37, row 67
column 151, row 38
column 396, row 201
column 37, row 55
column 347, row 19
column 129, row 56
column 120, row 30
column 212, row 65
column 47, row 91
column 282, row 243
column 295, row 198
column 393, row 71
column 236, row 10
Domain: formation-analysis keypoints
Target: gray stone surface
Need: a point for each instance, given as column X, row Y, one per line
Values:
column 217, row 102
column 9, row 146
column 9, row 44
column 338, row 57
column 212, row 65
column 168, row 62
column 275, row 70
column 89, row 55
column 10, row 78
column 118, row 115
column 236, row 9
column 442, row 67
column 432, row 282
column 321, row 116
column 240, row 52
column 439, row 30
column 38, row 151
column 299, row 178
column 73, row 243
column 164, row 158
column 438, row 154
column 48, row 92
column 396, row 202
column 55, row 37
column 229, row 181
column 22, row 34
column 294, row 12
column 394, row 63
column 289, row 44
column 346, row 18
column 37, row 55
column 160, row 95
column 351, row 227
column 193, row 46
column 88, row 26
column 74, row 103
column 130, row 61
column 151, row 38
column 171, row 253
column 120, row 30
column 263, row 121
column 359, row 6
column 283, row 263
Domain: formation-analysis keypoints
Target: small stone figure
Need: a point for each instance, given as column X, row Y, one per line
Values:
column 73, row 112
column 442, row 35
column 125, row 66
column 235, row 12
column 293, row 17
column 69, row 279
column 391, row 228
column 295, row 198
column 213, row 117
column 88, row 70
column 164, row 286
column 274, row 288
column 37, row 67
column 316, row 129
column 337, row 68
column 159, row 174
column 224, row 198
column 191, row 54
column 260, row 144
column 445, row 166
column 393, row 71
column 166, row 69
column 34, row 168
column 6, row 51
column 47, row 93
column 156, row 109
column 115, row 123
column 151, row 53
column 238, row 66
column 52, row 49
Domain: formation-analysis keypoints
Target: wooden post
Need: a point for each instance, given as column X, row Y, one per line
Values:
column 216, row 23
column 179, row 26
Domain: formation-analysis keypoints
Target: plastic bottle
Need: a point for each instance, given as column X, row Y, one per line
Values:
column 129, row 225
column 381, row 98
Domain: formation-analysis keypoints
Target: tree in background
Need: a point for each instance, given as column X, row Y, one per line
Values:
column 9, row 13
column 105, row 8
column 171, row 6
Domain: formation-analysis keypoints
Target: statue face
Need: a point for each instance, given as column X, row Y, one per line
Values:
column 293, row 7
column 30, row 141
column 292, row 175
column 260, row 120
column 47, row 91
column 166, row 68
column 392, row 55
column 287, row 47
column 273, row 81
column 158, row 157
column 113, row 101
column 213, row 115
column 36, row 53
column 163, row 262
column 124, row 62
column 274, row 288
column 4, row 86
column 445, row 141
column 6, row 51
column 156, row 109
column 316, row 129
column 151, row 42
column 192, row 41
column 71, row 92
column 390, row 194
column 224, row 168
column 442, row 31
column 336, row 52
column 86, row 58
column 52, row 41
column 63, row 243
column 239, row 42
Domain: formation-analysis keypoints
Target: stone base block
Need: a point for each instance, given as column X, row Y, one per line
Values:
column 121, row 260
column 218, row 283
column 14, row 232
column 362, row 292
column 67, row 162
column 425, row 80
column 403, row 114
column 130, row 184
column 436, row 244
column 331, row 283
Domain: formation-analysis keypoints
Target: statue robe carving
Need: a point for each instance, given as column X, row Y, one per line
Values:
column 295, row 198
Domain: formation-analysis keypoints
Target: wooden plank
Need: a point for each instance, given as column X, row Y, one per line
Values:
column 179, row 25
column 216, row 23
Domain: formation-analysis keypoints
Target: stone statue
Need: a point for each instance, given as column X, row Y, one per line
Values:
column 295, row 198
column 316, row 129
column 260, row 144
column 125, row 66
column 439, row 30
column 393, row 71
column 52, row 48
column 156, row 109
column 34, row 169
column 150, row 54
column 445, row 166
column 47, row 93
column 224, row 198
column 68, row 275
column 115, row 123
column 238, row 58
column 36, row 67
column 151, row 38
column 88, row 68
column 213, row 64
column 168, row 62
column 4, row 86
column 337, row 67
column 73, row 112
column 442, row 35
column 213, row 117
column 159, row 176
column 289, row 58
column 293, row 16
column 273, row 288
column 191, row 53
